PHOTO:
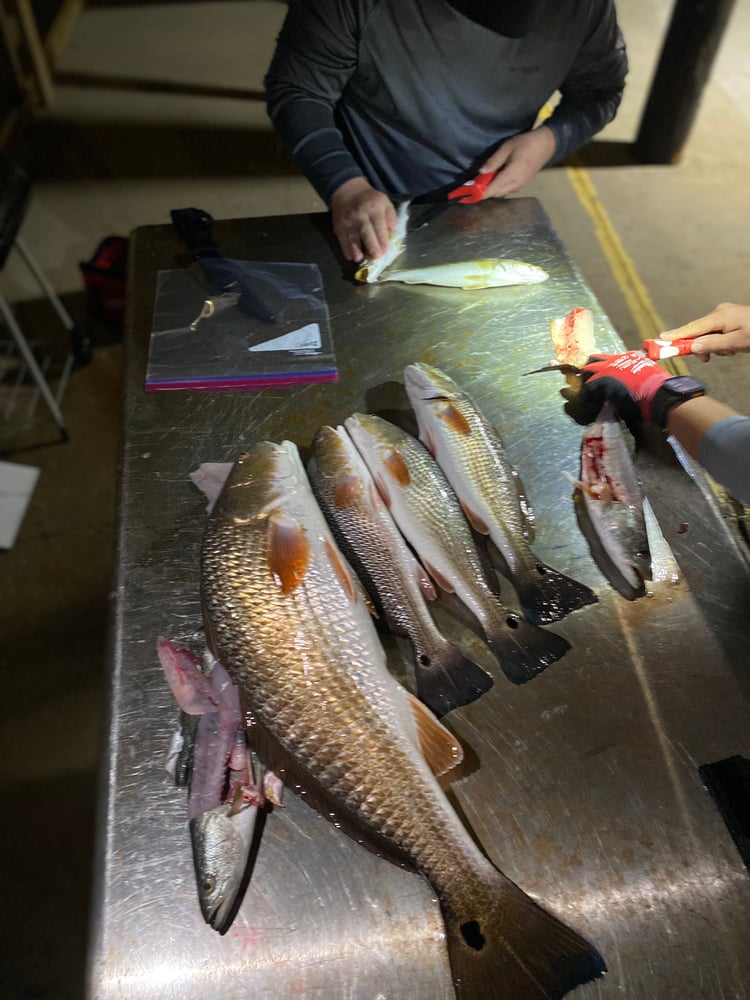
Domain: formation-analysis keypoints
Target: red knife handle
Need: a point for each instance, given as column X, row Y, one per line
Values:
column 472, row 190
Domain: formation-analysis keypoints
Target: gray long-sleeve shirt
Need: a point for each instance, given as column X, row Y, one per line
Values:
column 725, row 455
column 415, row 96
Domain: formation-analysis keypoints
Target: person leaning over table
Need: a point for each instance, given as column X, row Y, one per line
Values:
column 413, row 97
column 639, row 389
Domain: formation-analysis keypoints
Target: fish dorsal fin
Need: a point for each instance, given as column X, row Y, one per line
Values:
column 288, row 550
column 477, row 523
column 440, row 748
column 454, row 419
column 397, row 468
column 439, row 579
column 338, row 567
column 348, row 485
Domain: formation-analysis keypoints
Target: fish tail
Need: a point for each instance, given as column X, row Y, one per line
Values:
column 523, row 650
column 517, row 951
column 446, row 678
column 547, row 596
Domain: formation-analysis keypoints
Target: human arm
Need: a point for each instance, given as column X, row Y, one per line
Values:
column 689, row 421
column 641, row 390
column 592, row 90
column 591, row 94
column 724, row 331
column 315, row 56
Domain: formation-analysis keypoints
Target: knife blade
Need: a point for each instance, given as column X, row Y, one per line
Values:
column 426, row 217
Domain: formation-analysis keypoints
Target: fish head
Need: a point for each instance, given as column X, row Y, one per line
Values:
column 379, row 442
column 523, row 273
column 336, row 462
column 331, row 446
column 221, row 839
column 425, row 382
column 258, row 478
column 372, row 435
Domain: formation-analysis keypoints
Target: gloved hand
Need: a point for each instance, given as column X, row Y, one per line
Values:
column 628, row 381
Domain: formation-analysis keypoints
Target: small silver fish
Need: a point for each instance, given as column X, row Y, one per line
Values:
column 470, row 274
column 222, row 802
column 221, row 839
column 370, row 269
column 609, row 507
column 428, row 512
column 369, row 538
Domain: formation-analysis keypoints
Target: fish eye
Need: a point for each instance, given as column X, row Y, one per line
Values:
column 209, row 883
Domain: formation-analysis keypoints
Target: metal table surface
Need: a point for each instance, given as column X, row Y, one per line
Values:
column 584, row 787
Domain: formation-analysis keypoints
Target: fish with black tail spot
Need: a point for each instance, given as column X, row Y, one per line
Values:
column 472, row 456
column 428, row 512
column 329, row 717
column 445, row 677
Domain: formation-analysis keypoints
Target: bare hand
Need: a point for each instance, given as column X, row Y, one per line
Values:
column 519, row 160
column 363, row 219
column 725, row 331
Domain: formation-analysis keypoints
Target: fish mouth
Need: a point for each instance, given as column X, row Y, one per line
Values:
column 221, row 914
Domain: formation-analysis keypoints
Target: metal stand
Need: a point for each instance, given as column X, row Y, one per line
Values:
column 52, row 401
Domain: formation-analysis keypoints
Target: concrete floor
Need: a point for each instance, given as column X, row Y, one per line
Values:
column 108, row 160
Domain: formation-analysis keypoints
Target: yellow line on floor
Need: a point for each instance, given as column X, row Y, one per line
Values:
column 637, row 297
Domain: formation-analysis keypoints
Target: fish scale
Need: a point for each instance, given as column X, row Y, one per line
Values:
column 295, row 634
column 445, row 677
column 428, row 512
column 472, row 455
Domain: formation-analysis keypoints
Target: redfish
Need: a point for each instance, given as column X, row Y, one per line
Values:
column 366, row 532
column 288, row 619
column 472, row 455
column 428, row 512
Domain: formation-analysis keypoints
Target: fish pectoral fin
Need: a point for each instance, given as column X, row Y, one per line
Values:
column 428, row 442
column 376, row 500
column 474, row 281
column 454, row 419
column 348, row 487
column 288, row 551
column 423, row 581
column 371, row 607
column 397, row 468
column 383, row 490
column 478, row 524
column 440, row 748
column 340, row 570
column 439, row 579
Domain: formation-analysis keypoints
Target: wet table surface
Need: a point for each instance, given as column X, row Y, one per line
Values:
column 585, row 787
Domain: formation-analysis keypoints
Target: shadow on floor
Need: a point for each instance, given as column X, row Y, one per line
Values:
column 48, row 843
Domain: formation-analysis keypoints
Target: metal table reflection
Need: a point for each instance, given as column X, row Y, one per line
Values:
column 586, row 790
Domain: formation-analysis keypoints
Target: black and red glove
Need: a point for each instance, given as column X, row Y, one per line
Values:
column 639, row 389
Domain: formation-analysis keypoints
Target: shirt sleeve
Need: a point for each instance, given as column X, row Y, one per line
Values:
column 316, row 54
column 725, row 455
column 591, row 93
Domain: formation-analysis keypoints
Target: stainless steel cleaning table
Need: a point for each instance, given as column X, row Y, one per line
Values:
column 584, row 787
